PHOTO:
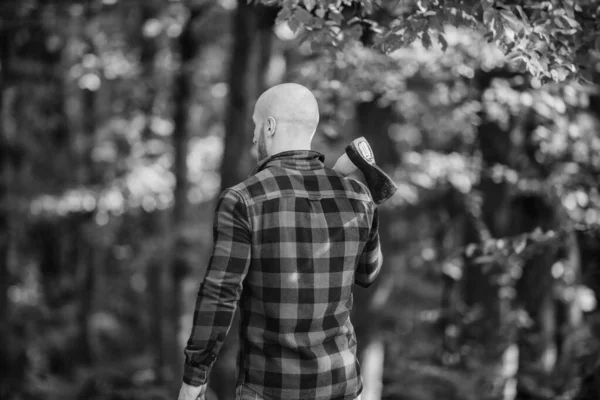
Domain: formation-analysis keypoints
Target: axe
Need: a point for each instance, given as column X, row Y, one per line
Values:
column 358, row 162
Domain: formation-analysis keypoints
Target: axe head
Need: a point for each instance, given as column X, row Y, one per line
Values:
column 381, row 186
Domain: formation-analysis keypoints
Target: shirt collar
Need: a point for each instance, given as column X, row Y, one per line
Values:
column 303, row 160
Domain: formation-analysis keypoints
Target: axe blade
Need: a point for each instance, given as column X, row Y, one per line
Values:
column 381, row 186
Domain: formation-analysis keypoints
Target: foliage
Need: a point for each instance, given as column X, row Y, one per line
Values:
column 440, row 109
column 552, row 40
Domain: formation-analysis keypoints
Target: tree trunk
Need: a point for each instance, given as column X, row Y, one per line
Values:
column 5, row 175
column 493, row 331
column 180, row 267
column 188, row 46
column 33, row 64
column 153, row 225
column 85, row 177
column 250, row 55
column 13, row 360
column 535, row 286
column 156, row 268
column 156, row 313
column 85, row 284
column 373, row 122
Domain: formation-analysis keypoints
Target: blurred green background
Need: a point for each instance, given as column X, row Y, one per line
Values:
column 121, row 121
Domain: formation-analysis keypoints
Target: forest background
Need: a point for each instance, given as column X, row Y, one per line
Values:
column 121, row 121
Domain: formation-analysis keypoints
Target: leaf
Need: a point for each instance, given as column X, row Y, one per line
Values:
column 423, row 4
column 318, row 23
column 284, row 14
column 510, row 17
column 442, row 41
column 310, row 4
column 522, row 14
column 586, row 298
column 484, row 259
column 315, row 43
column 489, row 246
column 470, row 250
column 507, row 292
column 568, row 32
column 559, row 74
column 537, row 233
column 336, row 17
column 305, row 37
column 367, row 7
column 452, row 270
column 426, row 40
column 436, row 23
column 510, row 47
column 514, row 56
column 561, row 23
column 498, row 28
column 294, row 24
column 513, row 24
column 486, row 4
column 488, row 17
column 354, row 20
column 321, row 12
column 356, row 31
column 572, row 23
column 466, row 17
column 303, row 16
column 409, row 37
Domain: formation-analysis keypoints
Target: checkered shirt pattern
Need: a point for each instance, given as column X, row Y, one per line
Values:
column 289, row 243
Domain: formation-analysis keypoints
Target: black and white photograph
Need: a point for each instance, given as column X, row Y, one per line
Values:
column 299, row 199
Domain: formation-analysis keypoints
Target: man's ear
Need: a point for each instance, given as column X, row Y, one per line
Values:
column 271, row 125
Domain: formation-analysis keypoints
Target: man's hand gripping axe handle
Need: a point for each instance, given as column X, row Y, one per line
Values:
column 358, row 162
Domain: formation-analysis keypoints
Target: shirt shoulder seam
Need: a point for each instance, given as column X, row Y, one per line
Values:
column 242, row 197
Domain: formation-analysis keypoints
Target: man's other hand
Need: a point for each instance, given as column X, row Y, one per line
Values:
column 189, row 392
column 344, row 166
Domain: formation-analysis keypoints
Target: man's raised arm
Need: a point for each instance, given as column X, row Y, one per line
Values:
column 371, row 258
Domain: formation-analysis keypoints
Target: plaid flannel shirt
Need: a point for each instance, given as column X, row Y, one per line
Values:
column 289, row 243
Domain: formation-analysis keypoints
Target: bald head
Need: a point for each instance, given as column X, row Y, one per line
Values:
column 287, row 115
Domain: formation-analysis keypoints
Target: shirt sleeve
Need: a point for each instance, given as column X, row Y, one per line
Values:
column 220, row 290
column 370, row 260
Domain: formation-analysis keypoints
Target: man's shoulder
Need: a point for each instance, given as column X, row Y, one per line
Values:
column 351, row 186
column 253, row 186
column 275, row 182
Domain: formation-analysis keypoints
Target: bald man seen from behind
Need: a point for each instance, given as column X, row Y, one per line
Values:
column 290, row 242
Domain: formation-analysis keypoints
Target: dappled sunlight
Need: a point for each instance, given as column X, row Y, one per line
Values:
column 149, row 186
column 293, row 278
column 322, row 249
column 204, row 160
